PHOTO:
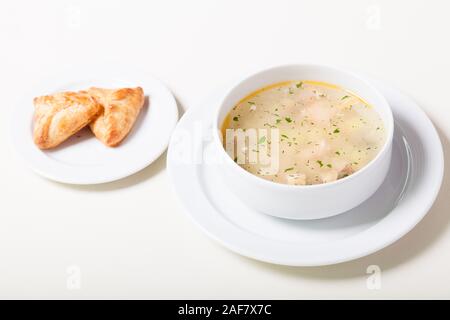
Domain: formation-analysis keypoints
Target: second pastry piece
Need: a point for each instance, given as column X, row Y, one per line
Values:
column 121, row 108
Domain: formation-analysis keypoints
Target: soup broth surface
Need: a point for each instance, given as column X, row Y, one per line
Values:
column 325, row 132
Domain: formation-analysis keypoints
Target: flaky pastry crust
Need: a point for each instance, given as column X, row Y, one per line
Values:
column 121, row 108
column 60, row 115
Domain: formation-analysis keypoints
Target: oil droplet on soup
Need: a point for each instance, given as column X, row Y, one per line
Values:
column 325, row 132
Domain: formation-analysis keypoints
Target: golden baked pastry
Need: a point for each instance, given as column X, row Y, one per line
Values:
column 60, row 115
column 120, row 110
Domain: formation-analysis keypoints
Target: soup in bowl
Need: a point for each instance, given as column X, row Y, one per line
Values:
column 324, row 132
column 304, row 141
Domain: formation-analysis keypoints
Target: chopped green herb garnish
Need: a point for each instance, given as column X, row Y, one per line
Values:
column 235, row 118
column 288, row 169
column 320, row 163
column 329, row 165
column 299, row 85
column 336, row 130
column 338, row 153
column 261, row 140
column 289, row 120
column 345, row 97
column 285, row 136
column 278, row 121
column 251, row 102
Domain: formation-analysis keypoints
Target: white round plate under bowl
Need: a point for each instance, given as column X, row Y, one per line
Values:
column 83, row 159
column 401, row 202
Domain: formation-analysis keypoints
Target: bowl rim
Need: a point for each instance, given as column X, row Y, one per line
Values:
column 386, row 146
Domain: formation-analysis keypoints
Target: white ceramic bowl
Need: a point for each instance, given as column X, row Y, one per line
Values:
column 311, row 201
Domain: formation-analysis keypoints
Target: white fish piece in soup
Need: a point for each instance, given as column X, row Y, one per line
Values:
column 325, row 132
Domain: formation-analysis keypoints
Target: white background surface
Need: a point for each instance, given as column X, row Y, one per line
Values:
column 131, row 239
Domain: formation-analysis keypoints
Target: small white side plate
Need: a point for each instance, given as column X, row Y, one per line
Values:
column 83, row 159
column 401, row 202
